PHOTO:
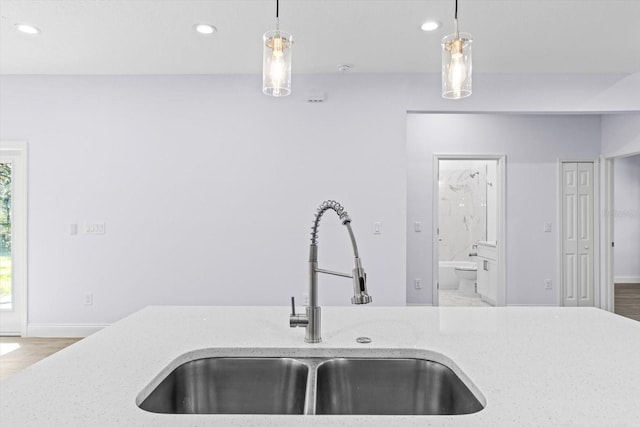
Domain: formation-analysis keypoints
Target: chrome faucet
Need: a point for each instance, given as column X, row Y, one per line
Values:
column 311, row 320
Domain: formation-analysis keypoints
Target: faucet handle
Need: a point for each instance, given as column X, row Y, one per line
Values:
column 295, row 320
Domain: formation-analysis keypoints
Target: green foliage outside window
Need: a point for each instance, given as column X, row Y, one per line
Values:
column 5, row 208
column 5, row 229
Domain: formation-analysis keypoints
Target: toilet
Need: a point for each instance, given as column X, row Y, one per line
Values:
column 467, row 274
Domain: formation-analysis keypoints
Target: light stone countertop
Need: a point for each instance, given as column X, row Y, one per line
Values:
column 531, row 366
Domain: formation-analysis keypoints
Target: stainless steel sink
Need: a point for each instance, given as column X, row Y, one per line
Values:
column 232, row 386
column 391, row 387
column 355, row 385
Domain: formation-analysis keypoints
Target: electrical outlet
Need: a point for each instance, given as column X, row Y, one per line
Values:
column 547, row 284
column 305, row 299
column 417, row 283
column 88, row 298
column 417, row 227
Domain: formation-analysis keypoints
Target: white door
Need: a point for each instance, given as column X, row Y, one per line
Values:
column 13, row 241
column 577, row 238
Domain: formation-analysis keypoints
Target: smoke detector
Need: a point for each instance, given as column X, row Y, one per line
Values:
column 315, row 97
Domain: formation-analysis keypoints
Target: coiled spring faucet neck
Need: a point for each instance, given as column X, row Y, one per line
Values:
column 344, row 217
column 311, row 320
column 325, row 206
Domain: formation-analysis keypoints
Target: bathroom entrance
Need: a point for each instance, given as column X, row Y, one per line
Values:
column 468, row 205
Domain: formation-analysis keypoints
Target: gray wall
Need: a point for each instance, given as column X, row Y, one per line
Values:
column 621, row 133
column 208, row 188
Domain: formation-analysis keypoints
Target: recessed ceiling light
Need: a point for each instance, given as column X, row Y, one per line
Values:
column 27, row 29
column 430, row 26
column 205, row 28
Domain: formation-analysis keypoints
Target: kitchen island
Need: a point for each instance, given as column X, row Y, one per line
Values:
column 529, row 366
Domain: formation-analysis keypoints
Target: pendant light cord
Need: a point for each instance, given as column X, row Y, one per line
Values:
column 278, row 7
column 455, row 21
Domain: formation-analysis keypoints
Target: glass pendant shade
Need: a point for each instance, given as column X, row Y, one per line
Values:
column 456, row 66
column 276, row 63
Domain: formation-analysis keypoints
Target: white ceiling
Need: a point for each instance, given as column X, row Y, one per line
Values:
column 375, row 36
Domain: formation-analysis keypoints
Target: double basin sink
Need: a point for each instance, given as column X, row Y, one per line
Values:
column 311, row 385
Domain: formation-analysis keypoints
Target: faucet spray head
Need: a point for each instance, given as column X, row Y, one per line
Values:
column 360, row 295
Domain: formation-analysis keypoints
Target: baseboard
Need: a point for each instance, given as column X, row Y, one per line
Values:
column 62, row 330
column 532, row 305
column 626, row 279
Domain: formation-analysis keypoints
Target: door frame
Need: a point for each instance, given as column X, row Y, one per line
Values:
column 606, row 228
column 597, row 256
column 18, row 152
column 501, row 228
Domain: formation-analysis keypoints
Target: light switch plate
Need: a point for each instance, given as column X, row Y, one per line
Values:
column 377, row 228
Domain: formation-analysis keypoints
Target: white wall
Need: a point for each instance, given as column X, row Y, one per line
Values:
column 626, row 219
column 532, row 145
column 208, row 187
column 621, row 133
column 208, row 190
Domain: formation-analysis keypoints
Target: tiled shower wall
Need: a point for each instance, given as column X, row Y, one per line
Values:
column 463, row 210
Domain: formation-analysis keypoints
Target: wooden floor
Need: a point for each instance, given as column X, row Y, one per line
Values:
column 18, row 353
column 627, row 300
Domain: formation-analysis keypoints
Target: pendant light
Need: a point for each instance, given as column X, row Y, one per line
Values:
column 456, row 63
column 276, row 60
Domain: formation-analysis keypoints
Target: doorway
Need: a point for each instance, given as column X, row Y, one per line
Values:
column 621, row 235
column 469, row 224
column 13, row 238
